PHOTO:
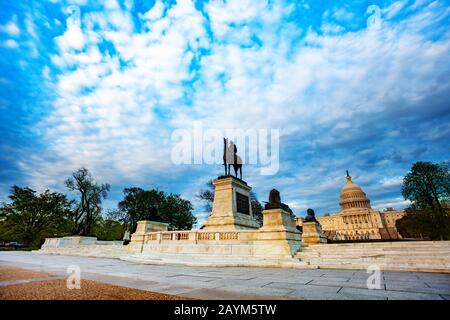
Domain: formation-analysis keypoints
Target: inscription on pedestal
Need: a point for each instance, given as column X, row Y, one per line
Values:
column 231, row 207
column 242, row 205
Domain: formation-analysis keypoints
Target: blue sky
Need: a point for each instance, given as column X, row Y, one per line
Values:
column 103, row 84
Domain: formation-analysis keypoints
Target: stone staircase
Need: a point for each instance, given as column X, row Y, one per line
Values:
column 426, row 256
column 213, row 260
column 422, row 256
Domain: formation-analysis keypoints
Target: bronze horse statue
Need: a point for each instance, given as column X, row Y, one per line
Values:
column 231, row 158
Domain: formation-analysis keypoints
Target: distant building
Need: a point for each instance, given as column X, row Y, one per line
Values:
column 357, row 220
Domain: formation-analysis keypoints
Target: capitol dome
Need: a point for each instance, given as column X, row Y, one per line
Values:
column 352, row 196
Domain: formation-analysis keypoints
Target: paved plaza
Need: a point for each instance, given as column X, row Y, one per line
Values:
column 239, row 283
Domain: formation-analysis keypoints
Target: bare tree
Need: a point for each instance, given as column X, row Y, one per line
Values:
column 89, row 206
column 207, row 196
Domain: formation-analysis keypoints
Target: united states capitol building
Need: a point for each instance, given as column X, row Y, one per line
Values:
column 357, row 220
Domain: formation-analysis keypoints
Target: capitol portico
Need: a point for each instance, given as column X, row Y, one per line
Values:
column 357, row 220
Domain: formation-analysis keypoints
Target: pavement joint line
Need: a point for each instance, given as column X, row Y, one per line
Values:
column 58, row 264
column 337, row 286
column 286, row 294
column 400, row 290
column 196, row 276
column 244, row 279
column 267, row 284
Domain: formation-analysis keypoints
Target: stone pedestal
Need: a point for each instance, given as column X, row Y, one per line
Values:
column 144, row 227
column 312, row 233
column 278, row 219
column 278, row 235
column 232, row 208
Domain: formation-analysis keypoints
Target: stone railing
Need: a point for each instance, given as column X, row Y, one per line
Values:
column 196, row 236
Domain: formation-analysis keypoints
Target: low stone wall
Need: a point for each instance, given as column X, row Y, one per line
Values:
column 84, row 246
column 232, row 242
column 282, row 240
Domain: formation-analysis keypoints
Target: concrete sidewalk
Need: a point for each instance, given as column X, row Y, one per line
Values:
column 240, row 283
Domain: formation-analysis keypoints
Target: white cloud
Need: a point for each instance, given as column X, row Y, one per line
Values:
column 396, row 203
column 46, row 73
column 394, row 8
column 72, row 39
column 331, row 28
column 389, row 182
column 11, row 28
column 10, row 43
column 342, row 14
column 30, row 27
column 107, row 114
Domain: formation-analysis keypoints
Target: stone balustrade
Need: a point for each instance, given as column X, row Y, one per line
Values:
column 196, row 236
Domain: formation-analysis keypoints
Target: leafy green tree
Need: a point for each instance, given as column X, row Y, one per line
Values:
column 108, row 229
column 139, row 204
column 4, row 232
column 30, row 217
column 154, row 205
column 416, row 224
column 177, row 212
column 427, row 186
column 257, row 208
column 90, row 199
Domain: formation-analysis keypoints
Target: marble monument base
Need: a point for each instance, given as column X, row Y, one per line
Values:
column 312, row 233
column 232, row 208
column 278, row 235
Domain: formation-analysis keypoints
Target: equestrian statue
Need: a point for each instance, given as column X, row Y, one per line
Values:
column 231, row 158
